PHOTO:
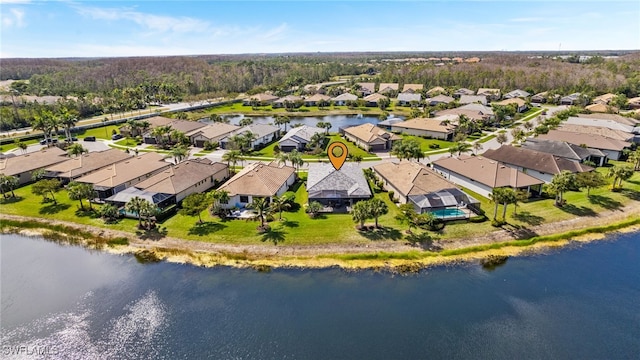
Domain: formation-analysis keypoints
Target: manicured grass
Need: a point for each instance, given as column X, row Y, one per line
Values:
column 425, row 143
column 13, row 145
column 238, row 108
column 103, row 132
column 353, row 150
column 128, row 142
column 485, row 139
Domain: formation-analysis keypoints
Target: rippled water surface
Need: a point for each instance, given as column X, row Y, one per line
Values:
column 579, row 302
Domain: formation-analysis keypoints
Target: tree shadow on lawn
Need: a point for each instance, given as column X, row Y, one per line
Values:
column 423, row 240
column 10, row 200
column 87, row 213
column 605, row 202
column 152, row 234
column 275, row 236
column 53, row 209
column 381, row 233
column 528, row 218
column 519, row 232
column 205, row 228
column 290, row 223
column 631, row 194
column 578, row 210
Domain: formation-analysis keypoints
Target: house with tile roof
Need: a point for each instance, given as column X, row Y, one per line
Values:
column 463, row 91
column 439, row 99
column 490, row 94
column 289, row 101
column 426, row 127
column 366, row 88
column 183, row 126
column 603, row 99
column 406, row 99
column 262, row 99
column 374, row 99
column 298, row 138
column 337, row 190
column 76, row 167
column 414, row 183
column 601, row 108
column 611, row 147
column 606, row 132
column 343, row 99
column 436, row 91
column 258, row 180
column 603, row 122
column 471, row 99
column 412, row 88
column 571, row 99
column 540, row 165
column 482, row 175
column 211, row 133
column 114, row 178
column 624, row 120
column 23, row 166
column 370, row 137
column 566, row 150
column 520, row 105
column 518, row 93
column 315, row 99
column 264, row 134
column 390, row 89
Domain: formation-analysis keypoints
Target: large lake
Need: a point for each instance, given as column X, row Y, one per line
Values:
column 580, row 302
column 337, row 121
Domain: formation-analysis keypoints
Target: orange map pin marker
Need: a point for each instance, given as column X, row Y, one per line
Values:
column 337, row 152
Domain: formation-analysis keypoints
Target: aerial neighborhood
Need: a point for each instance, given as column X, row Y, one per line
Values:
column 438, row 153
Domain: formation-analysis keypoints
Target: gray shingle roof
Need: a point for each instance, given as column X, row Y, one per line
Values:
column 302, row 134
column 324, row 181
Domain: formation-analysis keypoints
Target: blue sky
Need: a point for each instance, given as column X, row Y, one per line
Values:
column 138, row 28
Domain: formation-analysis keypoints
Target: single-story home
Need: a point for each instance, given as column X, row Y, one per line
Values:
column 150, row 123
column 84, row 164
column 518, row 93
column 482, row 175
column 386, row 124
column 290, row 101
column 491, row 94
column 571, row 99
column 463, row 91
column 540, row 165
column 211, row 133
column 634, row 103
column 597, row 130
column 23, row 166
column 366, row 89
column 435, row 128
column 624, row 120
column 258, row 180
column 566, row 150
column 439, row 99
column 298, row 138
column 611, row 147
column 342, row 99
column 388, row 88
column 414, row 183
column 602, row 122
column 373, row 99
column 475, row 115
column 412, row 88
column 405, row 99
column 521, row 105
column 603, row 99
column 436, row 91
column 601, row 108
column 183, row 126
column 370, row 137
column 260, row 99
column 471, row 99
column 337, row 190
column 114, row 178
column 264, row 134
column 314, row 100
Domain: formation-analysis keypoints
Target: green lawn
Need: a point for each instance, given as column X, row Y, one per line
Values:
column 13, row 145
column 425, row 143
column 103, row 132
column 238, row 108
column 353, row 150
column 128, row 142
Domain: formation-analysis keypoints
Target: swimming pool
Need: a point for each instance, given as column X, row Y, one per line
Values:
column 447, row 213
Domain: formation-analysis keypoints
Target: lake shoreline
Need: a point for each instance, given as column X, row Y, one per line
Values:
column 388, row 256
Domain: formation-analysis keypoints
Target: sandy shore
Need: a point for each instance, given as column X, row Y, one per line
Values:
column 267, row 255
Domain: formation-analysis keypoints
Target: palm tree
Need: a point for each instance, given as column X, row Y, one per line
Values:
column 560, row 183
column 68, row 120
column 282, row 120
column 634, row 158
column 498, row 196
column 407, row 149
column 22, row 146
column 261, row 205
column 80, row 191
column 296, row 159
column 179, row 153
column 282, row 158
column 408, row 214
column 148, row 210
column 518, row 134
column 313, row 208
column 360, row 212
column 377, row 208
column 76, row 149
column 135, row 206
column 501, row 138
column 245, row 121
column 477, row 146
column 280, row 203
column 218, row 197
column 232, row 157
column 8, row 183
column 619, row 173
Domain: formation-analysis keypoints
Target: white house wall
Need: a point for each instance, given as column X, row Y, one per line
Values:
column 461, row 180
column 418, row 132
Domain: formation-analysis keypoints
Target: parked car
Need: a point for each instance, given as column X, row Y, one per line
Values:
column 116, row 136
column 50, row 141
column 90, row 138
column 71, row 139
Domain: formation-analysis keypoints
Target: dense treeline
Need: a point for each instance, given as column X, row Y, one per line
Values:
column 230, row 74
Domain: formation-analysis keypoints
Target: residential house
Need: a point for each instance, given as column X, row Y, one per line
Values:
column 601, row 108
column 625, row 120
column 463, row 91
column 611, row 147
column 315, row 99
column 337, row 190
column 520, row 105
column 373, row 99
column 482, row 109
column 386, row 124
column 84, row 164
column 412, row 88
column 606, row 123
column 177, row 182
column 406, row 99
column 476, row 115
column 259, row 99
column 370, row 137
column 211, row 133
column 585, row 129
column 518, row 93
column 152, row 122
column 433, row 128
column 604, row 99
column 289, row 101
column 566, row 150
column 439, row 99
column 23, row 166
column 539, row 98
column 258, row 180
column 414, row 183
column 540, row 165
column 366, row 89
column 114, row 178
column 436, row 91
column 482, row 175
column 491, row 94
column 572, row 99
column 634, row 103
column 263, row 135
column 183, row 126
column 343, row 99
column 471, row 99
column 298, row 138
column 389, row 89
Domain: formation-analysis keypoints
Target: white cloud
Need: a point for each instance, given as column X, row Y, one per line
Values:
column 15, row 1
column 14, row 18
column 275, row 33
